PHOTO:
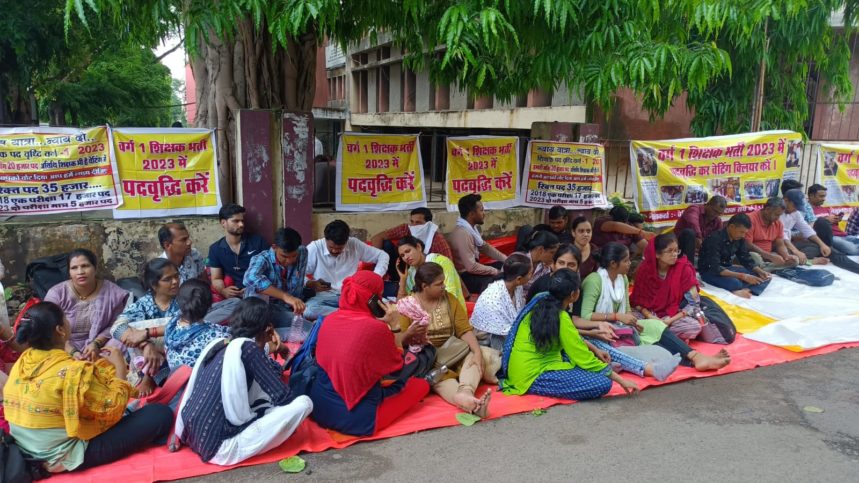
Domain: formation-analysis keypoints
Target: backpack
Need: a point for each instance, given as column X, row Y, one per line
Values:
column 303, row 365
column 806, row 276
column 716, row 316
column 43, row 273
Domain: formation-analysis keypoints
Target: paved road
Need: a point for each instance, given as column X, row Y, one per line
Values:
column 749, row 426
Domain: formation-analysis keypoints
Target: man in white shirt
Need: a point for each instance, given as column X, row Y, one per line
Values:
column 809, row 244
column 331, row 260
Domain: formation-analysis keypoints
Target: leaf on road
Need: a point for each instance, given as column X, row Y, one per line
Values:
column 293, row 464
column 467, row 419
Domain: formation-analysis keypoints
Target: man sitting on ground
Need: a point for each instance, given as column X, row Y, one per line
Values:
column 468, row 245
column 558, row 224
column 331, row 260
column 766, row 239
column 230, row 256
column 278, row 275
column 421, row 227
column 615, row 227
column 841, row 241
column 792, row 219
column 177, row 245
column 715, row 260
column 697, row 223
column 819, row 246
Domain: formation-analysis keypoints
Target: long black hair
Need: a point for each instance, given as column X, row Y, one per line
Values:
column 194, row 299
column 516, row 265
column 529, row 239
column 571, row 249
column 251, row 318
column 546, row 314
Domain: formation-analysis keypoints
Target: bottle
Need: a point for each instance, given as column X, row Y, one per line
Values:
column 435, row 375
column 297, row 331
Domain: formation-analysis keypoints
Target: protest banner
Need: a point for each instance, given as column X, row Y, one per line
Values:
column 564, row 174
column 56, row 170
column 166, row 172
column 745, row 169
column 379, row 172
column 487, row 165
column 838, row 171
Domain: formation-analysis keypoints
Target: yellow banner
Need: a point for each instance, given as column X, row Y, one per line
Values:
column 487, row 165
column 838, row 171
column 166, row 172
column 564, row 174
column 745, row 169
column 379, row 172
column 55, row 170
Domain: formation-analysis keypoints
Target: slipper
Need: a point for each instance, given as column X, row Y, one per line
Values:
column 482, row 409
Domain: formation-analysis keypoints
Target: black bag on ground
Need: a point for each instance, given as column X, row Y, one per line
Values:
column 415, row 365
column 15, row 465
column 716, row 316
column 43, row 273
column 133, row 285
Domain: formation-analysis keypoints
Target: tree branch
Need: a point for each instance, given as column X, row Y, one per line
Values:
column 173, row 49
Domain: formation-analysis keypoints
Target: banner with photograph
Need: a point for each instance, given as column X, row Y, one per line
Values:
column 745, row 169
column 56, row 170
column 571, row 175
column 166, row 172
column 379, row 172
column 838, row 171
column 487, row 165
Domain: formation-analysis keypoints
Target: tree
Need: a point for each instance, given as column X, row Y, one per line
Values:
column 261, row 53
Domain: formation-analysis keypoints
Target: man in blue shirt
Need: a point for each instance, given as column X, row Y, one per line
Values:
column 230, row 256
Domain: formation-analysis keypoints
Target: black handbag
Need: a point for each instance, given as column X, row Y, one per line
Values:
column 15, row 466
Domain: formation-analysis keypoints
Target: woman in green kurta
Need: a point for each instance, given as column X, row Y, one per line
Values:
column 545, row 355
column 606, row 299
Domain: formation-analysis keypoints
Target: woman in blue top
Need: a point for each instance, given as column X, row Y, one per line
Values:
column 187, row 334
column 162, row 279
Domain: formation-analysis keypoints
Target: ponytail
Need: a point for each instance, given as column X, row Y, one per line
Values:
column 546, row 314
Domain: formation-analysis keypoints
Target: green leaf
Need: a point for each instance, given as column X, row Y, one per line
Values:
column 293, row 464
column 812, row 409
column 467, row 419
column 538, row 412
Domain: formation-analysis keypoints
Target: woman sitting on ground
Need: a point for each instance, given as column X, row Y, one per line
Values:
column 545, row 355
column 582, row 234
column 412, row 254
column 187, row 333
column 540, row 247
column 432, row 315
column 90, row 304
column 354, row 351
column 236, row 405
column 606, row 299
column 567, row 256
column 498, row 305
column 67, row 412
column 666, row 288
column 147, row 344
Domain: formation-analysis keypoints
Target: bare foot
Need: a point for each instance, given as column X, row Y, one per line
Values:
column 723, row 353
column 820, row 261
column 705, row 363
column 744, row 293
column 146, row 386
column 466, row 401
column 482, row 408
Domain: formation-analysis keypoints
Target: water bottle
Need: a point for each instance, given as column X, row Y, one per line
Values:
column 297, row 333
column 435, row 375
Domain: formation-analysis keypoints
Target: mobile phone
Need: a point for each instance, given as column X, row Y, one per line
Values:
column 401, row 264
column 324, row 283
column 375, row 309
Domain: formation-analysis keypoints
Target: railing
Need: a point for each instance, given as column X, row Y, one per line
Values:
column 617, row 172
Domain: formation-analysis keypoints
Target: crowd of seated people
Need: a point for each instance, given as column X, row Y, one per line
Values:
column 86, row 374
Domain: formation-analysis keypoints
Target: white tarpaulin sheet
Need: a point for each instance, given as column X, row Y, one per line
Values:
column 806, row 333
column 784, row 299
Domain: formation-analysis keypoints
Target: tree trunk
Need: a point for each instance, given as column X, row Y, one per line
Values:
column 246, row 73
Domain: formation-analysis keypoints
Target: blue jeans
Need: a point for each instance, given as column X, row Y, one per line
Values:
column 732, row 284
column 848, row 245
column 322, row 304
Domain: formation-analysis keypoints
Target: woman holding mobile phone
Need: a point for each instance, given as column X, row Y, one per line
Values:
column 412, row 257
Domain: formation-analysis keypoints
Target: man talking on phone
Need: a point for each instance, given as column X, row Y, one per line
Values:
column 331, row 260
column 841, row 241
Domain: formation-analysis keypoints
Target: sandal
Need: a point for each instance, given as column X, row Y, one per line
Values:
column 482, row 408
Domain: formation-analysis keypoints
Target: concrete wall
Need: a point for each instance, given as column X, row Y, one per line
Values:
column 517, row 118
column 123, row 246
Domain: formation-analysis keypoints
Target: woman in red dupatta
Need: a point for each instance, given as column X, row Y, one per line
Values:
column 666, row 287
column 354, row 351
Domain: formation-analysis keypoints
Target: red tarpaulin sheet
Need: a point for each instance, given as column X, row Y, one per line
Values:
column 159, row 464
